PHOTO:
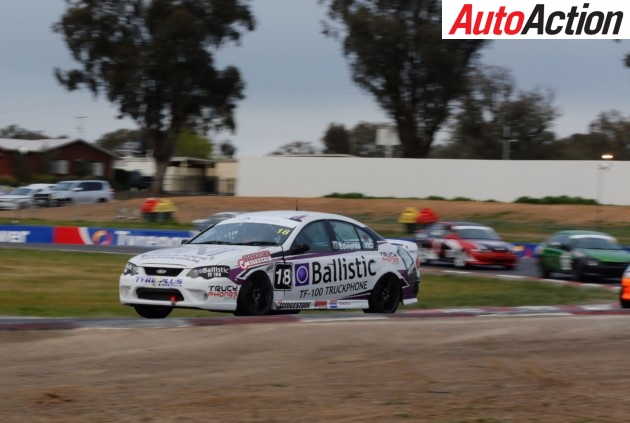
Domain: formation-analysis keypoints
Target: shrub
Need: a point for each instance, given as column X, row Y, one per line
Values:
column 350, row 195
column 562, row 199
column 8, row 180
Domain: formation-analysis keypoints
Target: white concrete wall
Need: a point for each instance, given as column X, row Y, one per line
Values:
column 500, row 180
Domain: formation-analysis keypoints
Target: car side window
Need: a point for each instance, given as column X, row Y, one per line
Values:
column 436, row 231
column 350, row 237
column 316, row 236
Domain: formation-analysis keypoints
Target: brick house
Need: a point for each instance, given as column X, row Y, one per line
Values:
column 61, row 158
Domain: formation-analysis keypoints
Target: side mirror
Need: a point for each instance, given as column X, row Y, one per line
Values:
column 299, row 249
column 184, row 241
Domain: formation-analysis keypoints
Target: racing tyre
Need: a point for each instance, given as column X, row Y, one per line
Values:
column 385, row 296
column 545, row 273
column 255, row 298
column 578, row 272
column 152, row 312
column 460, row 259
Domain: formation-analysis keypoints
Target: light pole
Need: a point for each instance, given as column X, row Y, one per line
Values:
column 601, row 167
column 506, row 135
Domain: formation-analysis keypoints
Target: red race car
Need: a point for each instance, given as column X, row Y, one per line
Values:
column 464, row 244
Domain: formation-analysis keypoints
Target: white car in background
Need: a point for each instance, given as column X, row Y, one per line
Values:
column 76, row 192
column 275, row 262
column 22, row 197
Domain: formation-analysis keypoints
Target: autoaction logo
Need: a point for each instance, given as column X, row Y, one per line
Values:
column 533, row 19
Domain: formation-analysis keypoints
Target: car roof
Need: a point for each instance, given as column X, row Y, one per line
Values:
column 286, row 216
column 39, row 186
column 461, row 223
column 575, row 232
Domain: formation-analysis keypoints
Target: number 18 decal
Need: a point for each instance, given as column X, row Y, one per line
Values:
column 283, row 277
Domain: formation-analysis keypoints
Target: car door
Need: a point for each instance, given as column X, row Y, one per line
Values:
column 294, row 276
column 556, row 255
column 341, row 262
column 430, row 246
column 356, row 264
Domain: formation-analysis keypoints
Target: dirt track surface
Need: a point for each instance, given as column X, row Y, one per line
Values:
column 493, row 370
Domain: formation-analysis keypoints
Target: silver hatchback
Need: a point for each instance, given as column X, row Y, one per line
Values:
column 81, row 192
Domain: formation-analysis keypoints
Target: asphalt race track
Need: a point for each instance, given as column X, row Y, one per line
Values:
column 527, row 271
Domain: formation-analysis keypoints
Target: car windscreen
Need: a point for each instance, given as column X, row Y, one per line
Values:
column 62, row 186
column 244, row 233
column 20, row 191
column 596, row 243
column 477, row 233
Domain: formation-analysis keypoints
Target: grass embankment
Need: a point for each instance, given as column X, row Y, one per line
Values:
column 70, row 284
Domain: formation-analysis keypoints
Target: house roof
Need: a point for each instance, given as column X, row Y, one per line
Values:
column 47, row 144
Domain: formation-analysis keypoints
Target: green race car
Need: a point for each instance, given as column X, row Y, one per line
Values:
column 582, row 254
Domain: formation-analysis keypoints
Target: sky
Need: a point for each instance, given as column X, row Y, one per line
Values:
column 297, row 80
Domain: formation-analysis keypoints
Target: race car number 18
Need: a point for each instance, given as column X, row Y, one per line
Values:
column 283, row 277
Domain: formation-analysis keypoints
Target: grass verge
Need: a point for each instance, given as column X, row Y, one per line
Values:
column 69, row 284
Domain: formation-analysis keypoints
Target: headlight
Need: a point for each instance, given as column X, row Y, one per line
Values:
column 130, row 269
column 592, row 262
column 209, row 272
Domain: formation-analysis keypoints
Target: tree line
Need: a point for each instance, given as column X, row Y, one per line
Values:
column 155, row 60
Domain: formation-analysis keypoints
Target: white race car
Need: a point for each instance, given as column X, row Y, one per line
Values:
column 275, row 262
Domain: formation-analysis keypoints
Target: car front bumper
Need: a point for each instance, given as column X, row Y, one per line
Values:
column 493, row 258
column 218, row 294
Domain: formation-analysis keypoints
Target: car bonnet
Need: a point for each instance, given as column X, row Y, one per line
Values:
column 193, row 255
column 614, row 256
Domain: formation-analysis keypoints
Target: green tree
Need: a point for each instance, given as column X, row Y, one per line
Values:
column 295, row 148
column 18, row 133
column 609, row 133
column 396, row 53
column 154, row 59
column 190, row 144
column 116, row 140
column 363, row 140
column 493, row 117
column 336, row 139
column 227, row 149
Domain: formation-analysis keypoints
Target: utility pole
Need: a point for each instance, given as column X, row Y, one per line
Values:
column 80, row 125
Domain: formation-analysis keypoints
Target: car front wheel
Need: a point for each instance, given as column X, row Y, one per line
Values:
column 152, row 312
column 254, row 298
column 578, row 272
column 385, row 296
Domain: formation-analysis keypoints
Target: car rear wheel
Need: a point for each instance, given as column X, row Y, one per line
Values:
column 152, row 312
column 255, row 297
column 385, row 296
